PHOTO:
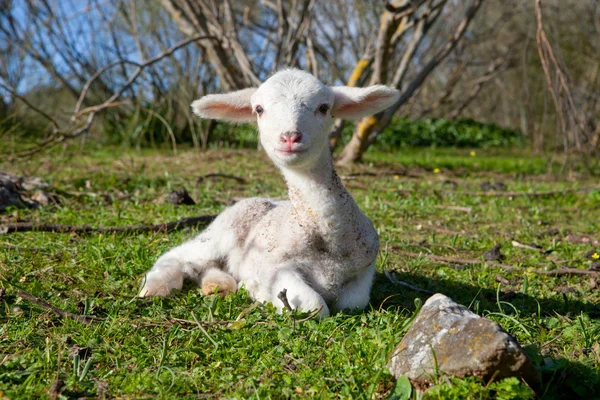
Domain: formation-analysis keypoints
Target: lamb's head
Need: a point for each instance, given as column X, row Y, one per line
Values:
column 295, row 113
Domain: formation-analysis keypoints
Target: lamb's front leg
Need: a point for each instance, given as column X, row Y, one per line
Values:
column 299, row 294
column 355, row 294
column 196, row 259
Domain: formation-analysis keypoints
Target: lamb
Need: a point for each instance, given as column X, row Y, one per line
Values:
column 317, row 245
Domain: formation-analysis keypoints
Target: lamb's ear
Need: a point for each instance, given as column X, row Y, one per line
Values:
column 232, row 107
column 356, row 103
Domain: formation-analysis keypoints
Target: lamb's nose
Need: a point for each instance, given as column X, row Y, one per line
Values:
column 290, row 137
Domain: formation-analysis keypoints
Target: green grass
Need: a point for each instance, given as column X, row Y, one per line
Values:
column 154, row 348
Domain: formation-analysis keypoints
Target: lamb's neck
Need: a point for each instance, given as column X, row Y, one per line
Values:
column 319, row 199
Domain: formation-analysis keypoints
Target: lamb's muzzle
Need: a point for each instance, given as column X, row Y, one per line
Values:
column 318, row 245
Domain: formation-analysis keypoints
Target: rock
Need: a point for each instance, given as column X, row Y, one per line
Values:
column 15, row 192
column 463, row 343
column 493, row 254
column 181, row 196
column 11, row 193
column 41, row 198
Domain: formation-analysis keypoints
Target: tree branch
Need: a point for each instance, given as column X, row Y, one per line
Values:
column 506, row 267
column 84, row 319
column 86, row 229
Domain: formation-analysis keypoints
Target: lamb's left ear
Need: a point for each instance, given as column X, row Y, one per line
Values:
column 356, row 103
column 232, row 107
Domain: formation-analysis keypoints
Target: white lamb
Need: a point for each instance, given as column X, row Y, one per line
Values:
column 318, row 244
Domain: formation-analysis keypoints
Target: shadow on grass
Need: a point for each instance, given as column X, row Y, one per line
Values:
column 561, row 378
column 384, row 290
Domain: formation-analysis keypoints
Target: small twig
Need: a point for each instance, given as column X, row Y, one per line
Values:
column 311, row 316
column 396, row 281
column 140, row 321
column 219, row 175
column 502, row 280
column 526, row 247
column 84, row 319
column 283, row 297
column 84, row 229
column 456, row 208
column 528, row 194
column 506, row 267
column 39, row 271
column 567, row 271
column 204, row 331
column 28, row 104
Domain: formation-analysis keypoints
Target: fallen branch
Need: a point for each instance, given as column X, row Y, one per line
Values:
column 84, row 319
column 528, row 194
column 510, row 268
column 527, row 247
column 85, row 229
column 456, row 208
column 219, row 175
column 396, row 281
column 310, row 316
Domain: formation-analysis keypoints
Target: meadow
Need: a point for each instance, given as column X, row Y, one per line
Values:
column 437, row 212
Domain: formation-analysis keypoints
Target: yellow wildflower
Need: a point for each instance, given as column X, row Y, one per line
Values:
column 472, row 154
column 595, row 256
column 436, row 171
column 396, row 177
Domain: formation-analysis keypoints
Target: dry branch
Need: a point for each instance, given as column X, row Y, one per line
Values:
column 569, row 114
column 528, row 194
column 59, row 134
column 527, row 247
column 478, row 84
column 398, row 282
column 506, row 267
column 369, row 128
column 204, row 177
column 84, row 319
column 86, row 229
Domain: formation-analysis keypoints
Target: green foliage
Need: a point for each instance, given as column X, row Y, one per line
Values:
column 472, row 389
column 402, row 389
column 446, row 133
column 226, row 135
column 148, row 126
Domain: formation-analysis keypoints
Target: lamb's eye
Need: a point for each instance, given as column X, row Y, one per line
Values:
column 323, row 108
column 259, row 110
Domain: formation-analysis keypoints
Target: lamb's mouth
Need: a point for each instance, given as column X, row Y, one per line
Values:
column 289, row 152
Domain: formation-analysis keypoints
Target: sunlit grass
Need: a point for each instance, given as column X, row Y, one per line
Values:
column 155, row 349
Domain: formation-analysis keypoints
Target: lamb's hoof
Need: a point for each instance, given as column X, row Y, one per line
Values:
column 154, row 290
column 222, row 287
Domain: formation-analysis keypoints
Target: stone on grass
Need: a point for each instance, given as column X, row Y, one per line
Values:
column 464, row 344
column 181, row 197
column 14, row 191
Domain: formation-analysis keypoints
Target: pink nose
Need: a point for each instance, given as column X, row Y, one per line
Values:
column 290, row 138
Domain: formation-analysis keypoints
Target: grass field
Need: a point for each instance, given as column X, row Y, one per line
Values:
column 425, row 203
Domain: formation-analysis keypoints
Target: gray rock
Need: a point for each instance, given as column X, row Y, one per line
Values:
column 180, row 197
column 11, row 193
column 15, row 192
column 463, row 343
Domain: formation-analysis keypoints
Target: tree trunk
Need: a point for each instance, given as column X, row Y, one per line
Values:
column 369, row 128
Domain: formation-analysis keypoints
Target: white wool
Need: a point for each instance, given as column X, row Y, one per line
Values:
column 318, row 246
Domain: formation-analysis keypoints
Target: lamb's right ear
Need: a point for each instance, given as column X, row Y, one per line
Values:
column 356, row 103
column 232, row 107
